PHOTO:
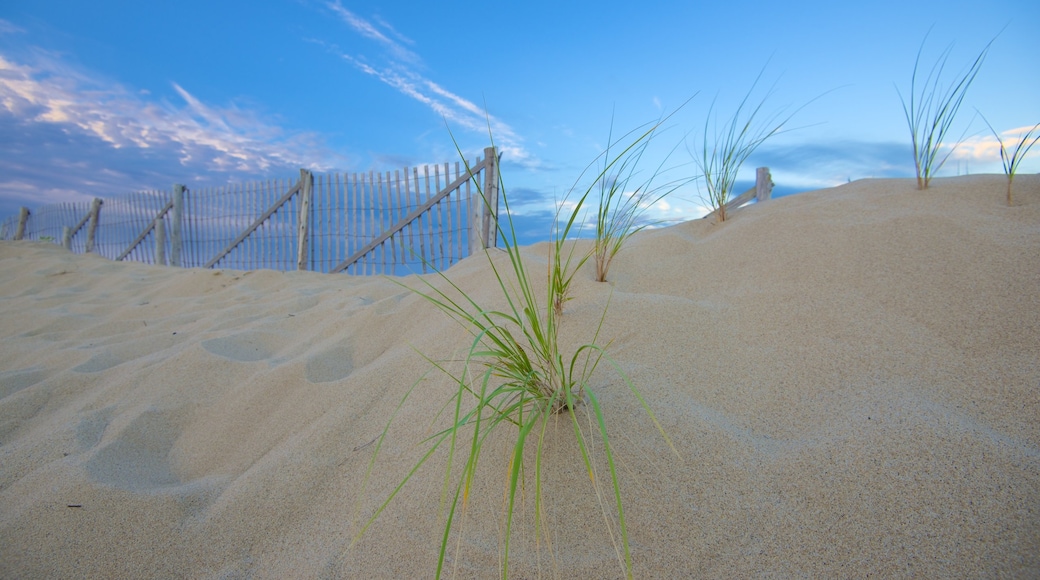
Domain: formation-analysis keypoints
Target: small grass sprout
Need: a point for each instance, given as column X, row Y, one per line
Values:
column 516, row 375
column 1012, row 157
column 932, row 109
column 624, row 199
column 722, row 153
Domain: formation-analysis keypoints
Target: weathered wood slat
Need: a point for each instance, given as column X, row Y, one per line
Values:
column 741, row 199
column 760, row 192
column 90, row 212
column 449, row 207
column 387, row 218
column 372, row 260
column 431, row 254
column 147, row 230
column 489, row 201
column 324, row 216
column 160, row 242
column 398, row 239
column 280, row 241
column 23, row 221
column 263, row 217
column 475, row 221
column 439, row 214
column 177, row 225
column 387, row 247
column 245, row 211
column 306, row 193
column 95, row 216
column 341, row 222
column 418, row 221
column 763, row 184
column 395, row 216
column 408, row 219
column 460, row 221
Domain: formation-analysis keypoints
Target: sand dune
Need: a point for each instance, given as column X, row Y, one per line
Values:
column 851, row 377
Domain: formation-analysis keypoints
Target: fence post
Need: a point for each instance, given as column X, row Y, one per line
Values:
column 175, row 225
column 23, row 219
column 489, row 211
column 66, row 238
column 763, row 184
column 160, row 242
column 307, row 183
column 95, row 212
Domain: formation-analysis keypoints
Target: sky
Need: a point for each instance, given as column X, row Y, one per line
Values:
column 109, row 97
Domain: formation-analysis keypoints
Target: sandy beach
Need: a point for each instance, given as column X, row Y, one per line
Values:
column 850, row 376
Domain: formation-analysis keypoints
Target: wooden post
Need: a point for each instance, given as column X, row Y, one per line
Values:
column 763, row 184
column 306, row 191
column 95, row 212
column 66, row 238
column 23, row 219
column 489, row 213
column 160, row 242
column 176, row 228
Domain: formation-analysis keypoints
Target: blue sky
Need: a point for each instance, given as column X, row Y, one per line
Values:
column 104, row 98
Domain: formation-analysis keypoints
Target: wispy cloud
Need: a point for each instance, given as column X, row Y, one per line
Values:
column 400, row 68
column 71, row 132
column 46, row 90
column 372, row 32
column 10, row 28
column 986, row 148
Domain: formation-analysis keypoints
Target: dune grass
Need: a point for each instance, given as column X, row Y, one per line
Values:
column 722, row 152
column 624, row 197
column 1011, row 158
column 517, row 376
column 932, row 109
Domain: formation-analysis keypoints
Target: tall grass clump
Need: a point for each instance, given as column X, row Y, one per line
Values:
column 1011, row 158
column 625, row 196
column 517, row 376
column 723, row 151
column 932, row 109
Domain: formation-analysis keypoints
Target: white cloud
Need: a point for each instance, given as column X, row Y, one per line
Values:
column 987, row 148
column 46, row 90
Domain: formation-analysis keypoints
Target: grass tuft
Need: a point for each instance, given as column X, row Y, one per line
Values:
column 932, row 109
column 722, row 153
column 1012, row 158
column 624, row 198
column 517, row 376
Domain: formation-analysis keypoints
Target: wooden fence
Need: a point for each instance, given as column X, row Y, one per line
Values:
column 379, row 222
column 762, row 191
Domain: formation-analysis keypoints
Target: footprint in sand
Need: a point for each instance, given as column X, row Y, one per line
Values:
column 331, row 365
column 124, row 350
column 92, row 427
column 245, row 346
column 99, row 362
column 13, row 381
column 137, row 459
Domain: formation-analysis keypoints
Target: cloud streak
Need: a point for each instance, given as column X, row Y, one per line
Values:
column 400, row 70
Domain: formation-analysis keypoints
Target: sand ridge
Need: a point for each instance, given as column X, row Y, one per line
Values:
column 849, row 375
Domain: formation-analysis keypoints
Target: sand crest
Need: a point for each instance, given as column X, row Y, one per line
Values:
column 851, row 377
